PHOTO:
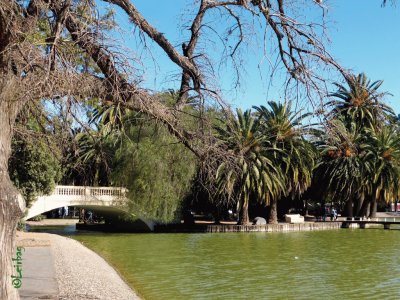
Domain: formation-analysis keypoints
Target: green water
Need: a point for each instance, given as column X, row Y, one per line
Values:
column 339, row 264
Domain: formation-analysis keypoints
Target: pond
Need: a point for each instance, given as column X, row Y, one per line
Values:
column 334, row 264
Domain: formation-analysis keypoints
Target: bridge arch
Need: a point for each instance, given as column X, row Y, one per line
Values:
column 108, row 199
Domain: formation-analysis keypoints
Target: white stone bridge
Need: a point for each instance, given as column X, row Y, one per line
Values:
column 109, row 200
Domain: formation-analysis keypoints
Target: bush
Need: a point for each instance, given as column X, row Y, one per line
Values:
column 37, row 218
column 21, row 226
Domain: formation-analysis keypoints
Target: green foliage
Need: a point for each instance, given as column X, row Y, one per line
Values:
column 156, row 169
column 341, row 167
column 359, row 151
column 37, row 218
column 33, row 168
column 34, row 165
column 283, row 130
column 359, row 102
column 95, row 155
column 21, row 226
column 251, row 171
column 382, row 157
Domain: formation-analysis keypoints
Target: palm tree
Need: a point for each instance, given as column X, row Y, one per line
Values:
column 360, row 102
column 341, row 171
column 109, row 115
column 95, row 152
column 248, row 171
column 295, row 156
column 382, row 155
column 356, row 111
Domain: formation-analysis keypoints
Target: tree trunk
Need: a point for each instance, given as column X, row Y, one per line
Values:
column 349, row 208
column 10, row 213
column 273, row 213
column 373, row 208
column 364, row 208
column 305, row 210
column 217, row 215
column 11, row 202
column 244, row 212
column 358, row 204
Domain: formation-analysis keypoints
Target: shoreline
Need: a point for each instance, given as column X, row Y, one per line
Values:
column 206, row 226
column 52, row 222
column 225, row 228
column 80, row 273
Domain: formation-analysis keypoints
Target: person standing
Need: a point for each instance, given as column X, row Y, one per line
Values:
column 65, row 212
column 90, row 216
column 331, row 213
column 334, row 212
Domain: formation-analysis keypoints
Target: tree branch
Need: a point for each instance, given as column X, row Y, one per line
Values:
column 160, row 39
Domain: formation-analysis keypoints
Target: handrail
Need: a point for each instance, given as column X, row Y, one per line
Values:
column 69, row 190
column 65, row 190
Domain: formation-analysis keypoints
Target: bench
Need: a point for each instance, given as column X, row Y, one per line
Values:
column 294, row 218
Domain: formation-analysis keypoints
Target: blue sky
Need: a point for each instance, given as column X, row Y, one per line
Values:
column 364, row 37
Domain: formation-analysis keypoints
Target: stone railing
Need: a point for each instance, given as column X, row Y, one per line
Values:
column 69, row 190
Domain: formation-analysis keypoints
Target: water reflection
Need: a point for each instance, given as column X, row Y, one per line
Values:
column 348, row 264
column 338, row 264
column 56, row 229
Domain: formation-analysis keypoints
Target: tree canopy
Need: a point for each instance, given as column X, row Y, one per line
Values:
column 66, row 54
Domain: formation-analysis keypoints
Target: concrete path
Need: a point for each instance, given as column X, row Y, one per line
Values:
column 38, row 274
column 56, row 267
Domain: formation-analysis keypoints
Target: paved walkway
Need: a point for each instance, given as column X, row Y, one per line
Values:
column 59, row 268
column 38, row 274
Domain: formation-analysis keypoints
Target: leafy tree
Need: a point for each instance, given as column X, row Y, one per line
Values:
column 109, row 116
column 341, row 170
column 383, row 160
column 94, row 155
column 149, row 163
column 251, row 172
column 34, row 165
column 356, row 112
column 33, row 168
column 283, row 130
column 64, row 51
column 360, row 102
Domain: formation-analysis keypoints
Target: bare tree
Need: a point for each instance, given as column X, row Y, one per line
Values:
column 43, row 43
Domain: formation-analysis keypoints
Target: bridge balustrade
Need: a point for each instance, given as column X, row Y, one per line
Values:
column 103, row 191
column 69, row 190
column 90, row 191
